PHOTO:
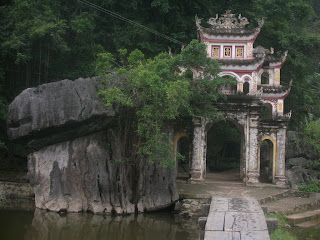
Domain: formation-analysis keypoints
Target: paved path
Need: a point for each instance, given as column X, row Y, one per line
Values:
column 235, row 219
column 226, row 184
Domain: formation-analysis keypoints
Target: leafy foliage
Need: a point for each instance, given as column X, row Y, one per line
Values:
column 160, row 90
column 312, row 131
column 313, row 186
column 49, row 40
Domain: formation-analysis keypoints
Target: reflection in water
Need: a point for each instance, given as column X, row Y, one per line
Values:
column 154, row 226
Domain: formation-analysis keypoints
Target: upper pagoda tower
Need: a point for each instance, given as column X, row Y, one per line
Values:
column 257, row 70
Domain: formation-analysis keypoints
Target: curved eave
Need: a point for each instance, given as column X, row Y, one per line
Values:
column 242, row 65
column 282, row 95
column 276, row 64
column 210, row 35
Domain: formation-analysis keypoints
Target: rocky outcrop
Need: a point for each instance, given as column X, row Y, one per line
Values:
column 296, row 147
column 298, row 175
column 56, row 112
column 300, row 155
column 76, row 164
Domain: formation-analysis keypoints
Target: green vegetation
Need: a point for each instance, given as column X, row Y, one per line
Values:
column 155, row 91
column 313, row 186
column 50, row 40
column 312, row 131
column 282, row 233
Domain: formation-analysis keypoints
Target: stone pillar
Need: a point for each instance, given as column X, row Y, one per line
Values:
column 253, row 168
column 280, row 177
column 242, row 158
column 197, row 165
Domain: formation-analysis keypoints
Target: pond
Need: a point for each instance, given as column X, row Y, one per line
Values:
column 42, row 225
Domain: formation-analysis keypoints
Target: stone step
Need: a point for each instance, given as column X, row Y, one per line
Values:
column 285, row 194
column 303, row 217
column 309, row 224
column 291, row 205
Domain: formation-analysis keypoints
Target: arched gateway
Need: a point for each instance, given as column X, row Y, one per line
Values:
column 230, row 43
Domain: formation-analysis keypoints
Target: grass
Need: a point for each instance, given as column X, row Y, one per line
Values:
column 282, row 232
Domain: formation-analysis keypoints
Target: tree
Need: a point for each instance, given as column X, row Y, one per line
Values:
column 150, row 93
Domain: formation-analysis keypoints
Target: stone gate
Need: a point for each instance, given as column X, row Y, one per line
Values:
column 245, row 113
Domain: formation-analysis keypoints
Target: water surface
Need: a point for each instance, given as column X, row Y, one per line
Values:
column 42, row 225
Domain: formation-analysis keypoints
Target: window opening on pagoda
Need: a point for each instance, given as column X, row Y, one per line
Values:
column 227, row 52
column 239, row 52
column 246, row 88
column 265, row 78
column 266, row 111
column 215, row 51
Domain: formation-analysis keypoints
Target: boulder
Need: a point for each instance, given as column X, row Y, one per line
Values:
column 76, row 161
column 291, row 162
column 297, row 175
column 56, row 112
column 297, row 147
column 86, row 174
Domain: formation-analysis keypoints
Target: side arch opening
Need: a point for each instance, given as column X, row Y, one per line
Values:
column 182, row 155
column 267, row 160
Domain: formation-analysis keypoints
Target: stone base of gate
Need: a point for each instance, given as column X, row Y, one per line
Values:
column 253, row 178
column 280, row 181
column 196, row 177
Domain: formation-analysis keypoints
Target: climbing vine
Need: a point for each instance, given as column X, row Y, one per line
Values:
column 159, row 90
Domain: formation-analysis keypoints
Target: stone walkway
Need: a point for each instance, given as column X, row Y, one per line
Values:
column 225, row 184
column 236, row 219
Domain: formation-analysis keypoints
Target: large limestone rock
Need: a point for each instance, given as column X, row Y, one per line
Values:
column 298, row 175
column 299, row 157
column 296, row 147
column 57, row 111
column 76, row 163
column 85, row 174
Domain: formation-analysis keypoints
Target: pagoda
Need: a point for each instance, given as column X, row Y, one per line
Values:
column 255, row 104
column 256, row 70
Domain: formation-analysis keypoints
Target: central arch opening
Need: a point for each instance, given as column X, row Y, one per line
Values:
column 224, row 150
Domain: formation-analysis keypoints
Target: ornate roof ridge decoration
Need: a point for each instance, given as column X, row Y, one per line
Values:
column 228, row 23
column 288, row 115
